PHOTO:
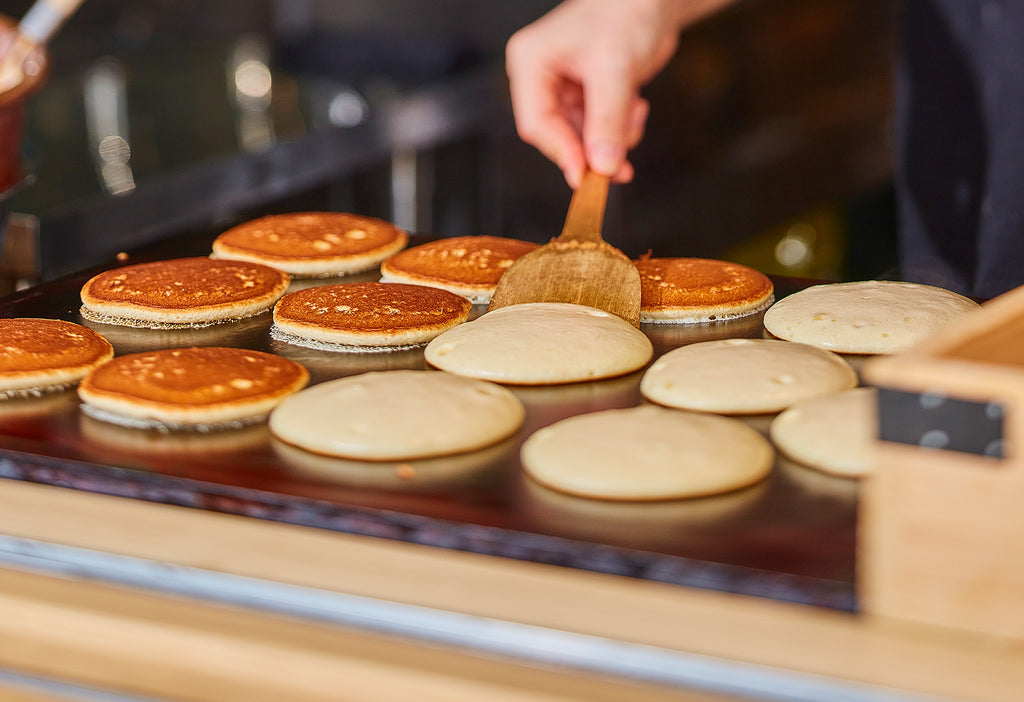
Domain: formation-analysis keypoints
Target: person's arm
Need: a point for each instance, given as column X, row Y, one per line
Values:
column 575, row 77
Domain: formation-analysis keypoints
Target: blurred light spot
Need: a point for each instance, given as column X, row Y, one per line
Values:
column 114, row 149
column 117, row 177
column 796, row 247
column 347, row 109
column 253, row 80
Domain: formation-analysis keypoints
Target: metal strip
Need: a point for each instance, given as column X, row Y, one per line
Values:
column 519, row 641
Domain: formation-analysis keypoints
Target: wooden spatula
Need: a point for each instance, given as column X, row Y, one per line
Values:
column 577, row 267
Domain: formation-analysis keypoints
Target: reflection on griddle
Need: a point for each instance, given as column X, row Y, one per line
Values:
column 442, row 471
column 758, row 422
column 817, row 482
column 249, row 333
column 114, row 437
column 328, row 365
column 299, row 283
column 49, row 402
column 652, row 522
column 670, row 336
column 856, row 361
column 546, row 404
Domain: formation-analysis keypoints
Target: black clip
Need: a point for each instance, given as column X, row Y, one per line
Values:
column 933, row 420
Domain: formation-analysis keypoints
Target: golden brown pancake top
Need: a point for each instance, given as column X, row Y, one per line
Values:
column 372, row 306
column 198, row 376
column 311, row 235
column 29, row 344
column 475, row 260
column 699, row 282
column 185, row 283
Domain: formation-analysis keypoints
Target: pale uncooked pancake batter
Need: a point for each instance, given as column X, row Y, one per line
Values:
column 744, row 376
column 647, row 453
column 541, row 343
column 834, row 433
column 872, row 316
column 397, row 415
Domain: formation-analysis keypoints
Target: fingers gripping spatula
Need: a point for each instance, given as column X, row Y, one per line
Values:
column 578, row 266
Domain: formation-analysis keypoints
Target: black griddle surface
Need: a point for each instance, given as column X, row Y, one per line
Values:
column 790, row 538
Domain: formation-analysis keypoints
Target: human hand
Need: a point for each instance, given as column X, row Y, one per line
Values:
column 575, row 77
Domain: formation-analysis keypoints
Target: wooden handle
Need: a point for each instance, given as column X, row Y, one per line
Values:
column 586, row 209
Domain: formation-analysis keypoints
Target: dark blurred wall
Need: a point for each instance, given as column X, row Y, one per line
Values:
column 773, row 115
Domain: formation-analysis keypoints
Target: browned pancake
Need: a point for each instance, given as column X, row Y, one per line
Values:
column 192, row 387
column 693, row 290
column 314, row 244
column 44, row 354
column 465, row 265
column 182, row 292
column 368, row 315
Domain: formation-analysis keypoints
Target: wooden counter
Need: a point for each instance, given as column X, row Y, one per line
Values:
column 555, row 633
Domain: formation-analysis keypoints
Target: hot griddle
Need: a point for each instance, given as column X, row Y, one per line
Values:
column 789, row 538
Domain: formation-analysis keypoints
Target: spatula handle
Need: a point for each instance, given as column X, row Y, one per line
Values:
column 586, row 209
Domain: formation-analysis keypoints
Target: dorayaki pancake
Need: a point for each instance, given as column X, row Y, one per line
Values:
column 193, row 388
column 312, row 244
column 182, row 292
column 465, row 265
column 541, row 343
column 833, row 433
column 865, row 317
column 695, row 290
column 367, row 316
column 397, row 415
column 646, row 453
column 744, row 376
column 39, row 355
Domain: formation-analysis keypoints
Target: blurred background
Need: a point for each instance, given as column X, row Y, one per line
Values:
column 768, row 142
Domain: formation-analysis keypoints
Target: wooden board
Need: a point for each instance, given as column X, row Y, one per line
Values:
column 757, row 633
column 134, row 643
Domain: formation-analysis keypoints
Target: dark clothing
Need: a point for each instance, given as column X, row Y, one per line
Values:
column 960, row 144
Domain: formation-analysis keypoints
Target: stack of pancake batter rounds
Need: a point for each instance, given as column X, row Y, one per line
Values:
column 46, row 355
column 465, row 265
column 698, row 290
column 199, row 388
column 367, row 316
column 182, row 292
column 312, row 244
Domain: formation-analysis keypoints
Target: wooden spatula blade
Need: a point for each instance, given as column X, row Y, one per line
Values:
column 596, row 275
column 578, row 267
